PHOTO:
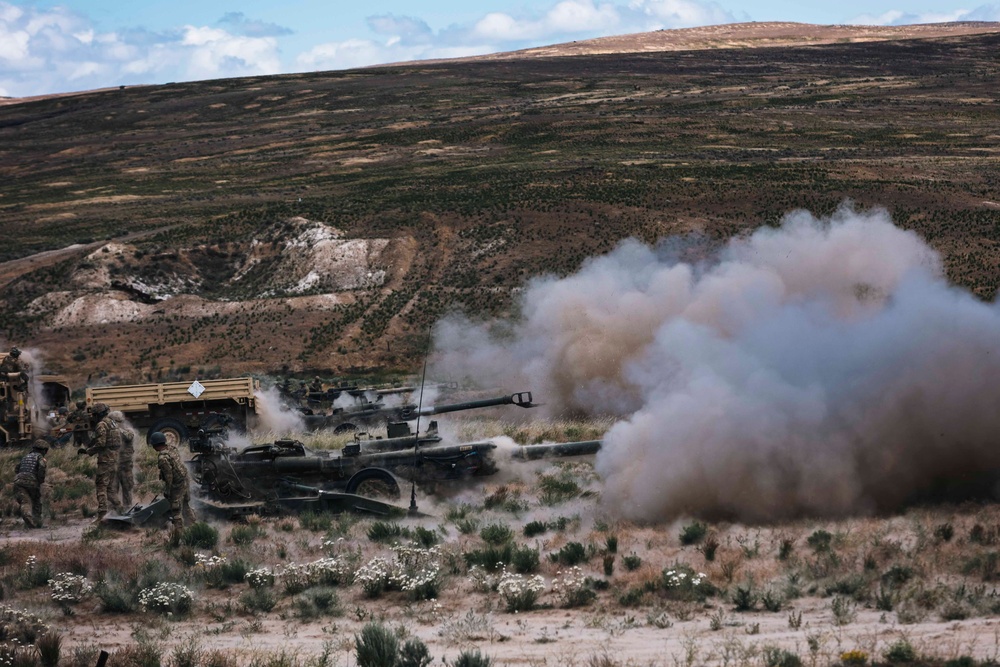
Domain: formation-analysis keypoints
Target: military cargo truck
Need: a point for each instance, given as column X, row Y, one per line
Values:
column 177, row 409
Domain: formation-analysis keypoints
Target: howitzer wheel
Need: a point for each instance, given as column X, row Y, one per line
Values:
column 374, row 483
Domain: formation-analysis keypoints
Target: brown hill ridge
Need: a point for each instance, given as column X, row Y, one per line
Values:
column 741, row 36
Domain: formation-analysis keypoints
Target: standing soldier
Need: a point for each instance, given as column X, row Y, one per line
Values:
column 13, row 363
column 175, row 482
column 317, row 386
column 80, row 420
column 107, row 442
column 124, row 479
column 28, row 483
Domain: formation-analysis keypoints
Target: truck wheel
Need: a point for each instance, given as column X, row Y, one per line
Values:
column 374, row 483
column 346, row 427
column 175, row 432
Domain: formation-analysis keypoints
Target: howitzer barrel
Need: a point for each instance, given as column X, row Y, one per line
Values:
column 521, row 399
column 532, row 452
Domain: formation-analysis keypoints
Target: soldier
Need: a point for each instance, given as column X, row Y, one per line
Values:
column 175, row 482
column 107, row 442
column 124, row 479
column 79, row 419
column 317, row 386
column 13, row 363
column 28, row 483
column 59, row 428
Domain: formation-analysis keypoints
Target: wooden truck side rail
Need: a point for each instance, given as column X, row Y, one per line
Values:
column 178, row 409
column 139, row 397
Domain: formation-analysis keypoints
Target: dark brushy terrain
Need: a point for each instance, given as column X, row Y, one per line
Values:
column 476, row 175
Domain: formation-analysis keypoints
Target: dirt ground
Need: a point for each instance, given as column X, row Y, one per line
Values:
column 656, row 631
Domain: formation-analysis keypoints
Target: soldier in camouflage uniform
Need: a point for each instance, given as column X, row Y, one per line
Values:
column 28, row 484
column 175, row 482
column 124, row 479
column 107, row 442
column 13, row 363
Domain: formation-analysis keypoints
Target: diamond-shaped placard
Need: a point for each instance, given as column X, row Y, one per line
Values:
column 196, row 389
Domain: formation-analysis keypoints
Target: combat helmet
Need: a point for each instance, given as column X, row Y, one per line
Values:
column 101, row 409
column 14, row 352
column 157, row 439
column 41, row 445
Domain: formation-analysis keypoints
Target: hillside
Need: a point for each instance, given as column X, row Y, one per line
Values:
column 323, row 222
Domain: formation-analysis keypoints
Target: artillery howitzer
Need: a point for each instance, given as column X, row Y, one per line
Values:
column 374, row 413
column 287, row 470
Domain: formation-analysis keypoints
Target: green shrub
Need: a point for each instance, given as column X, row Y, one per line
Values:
column 900, row 652
column 497, row 533
column 376, row 646
column 226, row 574
column 425, row 537
column 779, row 657
column 490, row 557
column 317, row 602
column 470, row 658
column 632, row 562
column 317, row 522
column 467, row 526
column 258, row 600
column 141, row 654
column 118, row 594
column 693, row 533
column 745, row 597
column 244, row 535
column 200, row 535
column 533, row 528
column 820, row 541
column 524, row 559
column 633, row 597
column 386, row 531
column 414, row 654
column 49, row 647
column 557, row 488
column 572, row 553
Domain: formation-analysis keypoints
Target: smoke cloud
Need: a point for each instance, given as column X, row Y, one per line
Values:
column 821, row 368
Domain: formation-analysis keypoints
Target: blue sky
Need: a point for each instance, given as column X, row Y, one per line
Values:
column 48, row 47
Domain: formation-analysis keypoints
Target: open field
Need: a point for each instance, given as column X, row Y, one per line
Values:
column 913, row 587
column 441, row 186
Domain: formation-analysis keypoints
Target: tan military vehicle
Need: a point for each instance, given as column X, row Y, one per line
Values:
column 178, row 409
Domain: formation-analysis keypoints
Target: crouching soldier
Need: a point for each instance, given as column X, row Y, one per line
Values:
column 124, row 479
column 28, row 483
column 175, row 482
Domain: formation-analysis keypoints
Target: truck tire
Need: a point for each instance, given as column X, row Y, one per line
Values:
column 374, row 483
column 346, row 427
column 175, row 432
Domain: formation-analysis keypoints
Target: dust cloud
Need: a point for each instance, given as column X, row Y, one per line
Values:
column 275, row 416
column 821, row 368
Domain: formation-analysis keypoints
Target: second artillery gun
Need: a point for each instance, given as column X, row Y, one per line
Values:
column 367, row 413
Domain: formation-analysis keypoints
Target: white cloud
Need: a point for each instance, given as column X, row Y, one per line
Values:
column 51, row 50
column 566, row 17
column 900, row 17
